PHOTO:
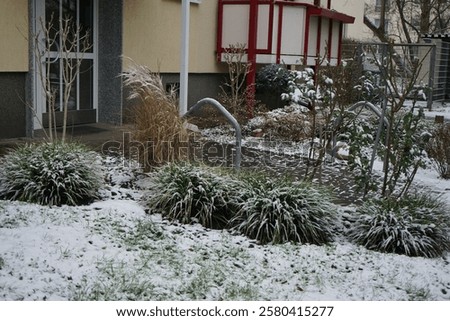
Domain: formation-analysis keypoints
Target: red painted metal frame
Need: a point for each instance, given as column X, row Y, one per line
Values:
column 279, row 34
column 319, row 11
column 330, row 38
column 251, row 56
column 306, row 39
column 341, row 31
column 252, row 49
column 319, row 40
column 219, row 31
column 219, row 47
column 311, row 10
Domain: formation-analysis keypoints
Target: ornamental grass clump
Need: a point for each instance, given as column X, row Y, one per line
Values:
column 415, row 225
column 191, row 194
column 157, row 126
column 50, row 174
column 279, row 211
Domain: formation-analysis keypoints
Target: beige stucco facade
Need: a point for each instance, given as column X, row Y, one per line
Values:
column 355, row 8
column 14, row 34
column 152, row 35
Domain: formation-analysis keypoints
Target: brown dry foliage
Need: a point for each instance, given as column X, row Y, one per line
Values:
column 293, row 127
column 438, row 150
column 157, row 124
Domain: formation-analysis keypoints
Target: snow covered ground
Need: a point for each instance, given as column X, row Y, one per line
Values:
column 114, row 250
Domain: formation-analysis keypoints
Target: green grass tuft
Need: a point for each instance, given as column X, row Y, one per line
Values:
column 50, row 174
column 417, row 225
column 192, row 194
column 279, row 211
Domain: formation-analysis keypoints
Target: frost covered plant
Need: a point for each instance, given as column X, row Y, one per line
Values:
column 50, row 174
column 360, row 133
column 417, row 225
column 273, row 78
column 278, row 211
column 367, row 88
column 402, row 151
column 301, row 88
column 190, row 194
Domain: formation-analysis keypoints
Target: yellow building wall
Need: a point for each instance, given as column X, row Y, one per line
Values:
column 13, row 35
column 152, row 35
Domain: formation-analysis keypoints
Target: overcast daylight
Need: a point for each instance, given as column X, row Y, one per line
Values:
column 225, row 151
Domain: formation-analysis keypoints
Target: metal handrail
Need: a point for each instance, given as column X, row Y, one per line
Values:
column 231, row 120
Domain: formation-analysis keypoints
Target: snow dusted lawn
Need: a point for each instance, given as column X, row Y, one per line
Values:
column 113, row 250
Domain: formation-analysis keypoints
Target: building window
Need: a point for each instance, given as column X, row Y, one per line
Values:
column 194, row 1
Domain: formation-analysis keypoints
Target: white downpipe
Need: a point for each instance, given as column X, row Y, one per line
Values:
column 184, row 66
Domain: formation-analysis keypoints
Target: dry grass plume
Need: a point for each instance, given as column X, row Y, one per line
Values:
column 157, row 124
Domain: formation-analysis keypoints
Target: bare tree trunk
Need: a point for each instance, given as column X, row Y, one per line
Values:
column 72, row 45
column 425, row 16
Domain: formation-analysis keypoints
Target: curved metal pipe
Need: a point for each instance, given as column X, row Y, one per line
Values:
column 231, row 120
column 377, row 111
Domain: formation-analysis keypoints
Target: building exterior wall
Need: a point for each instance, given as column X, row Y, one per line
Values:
column 14, row 35
column 13, row 67
column 148, row 32
column 152, row 35
column 201, row 85
column 355, row 8
column 13, row 110
column 110, row 61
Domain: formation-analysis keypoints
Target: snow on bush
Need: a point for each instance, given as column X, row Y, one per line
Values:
column 416, row 225
column 301, row 88
column 50, row 174
column 268, row 210
column 279, row 211
column 191, row 194
column 273, row 78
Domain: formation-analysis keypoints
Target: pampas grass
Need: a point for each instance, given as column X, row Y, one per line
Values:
column 155, row 116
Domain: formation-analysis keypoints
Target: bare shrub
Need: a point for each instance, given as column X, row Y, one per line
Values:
column 72, row 42
column 235, row 94
column 288, row 123
column 291, row 126
column 438, row 150
column 158, row 126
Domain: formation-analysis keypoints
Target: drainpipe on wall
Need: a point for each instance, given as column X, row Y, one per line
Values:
column 184, row 62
